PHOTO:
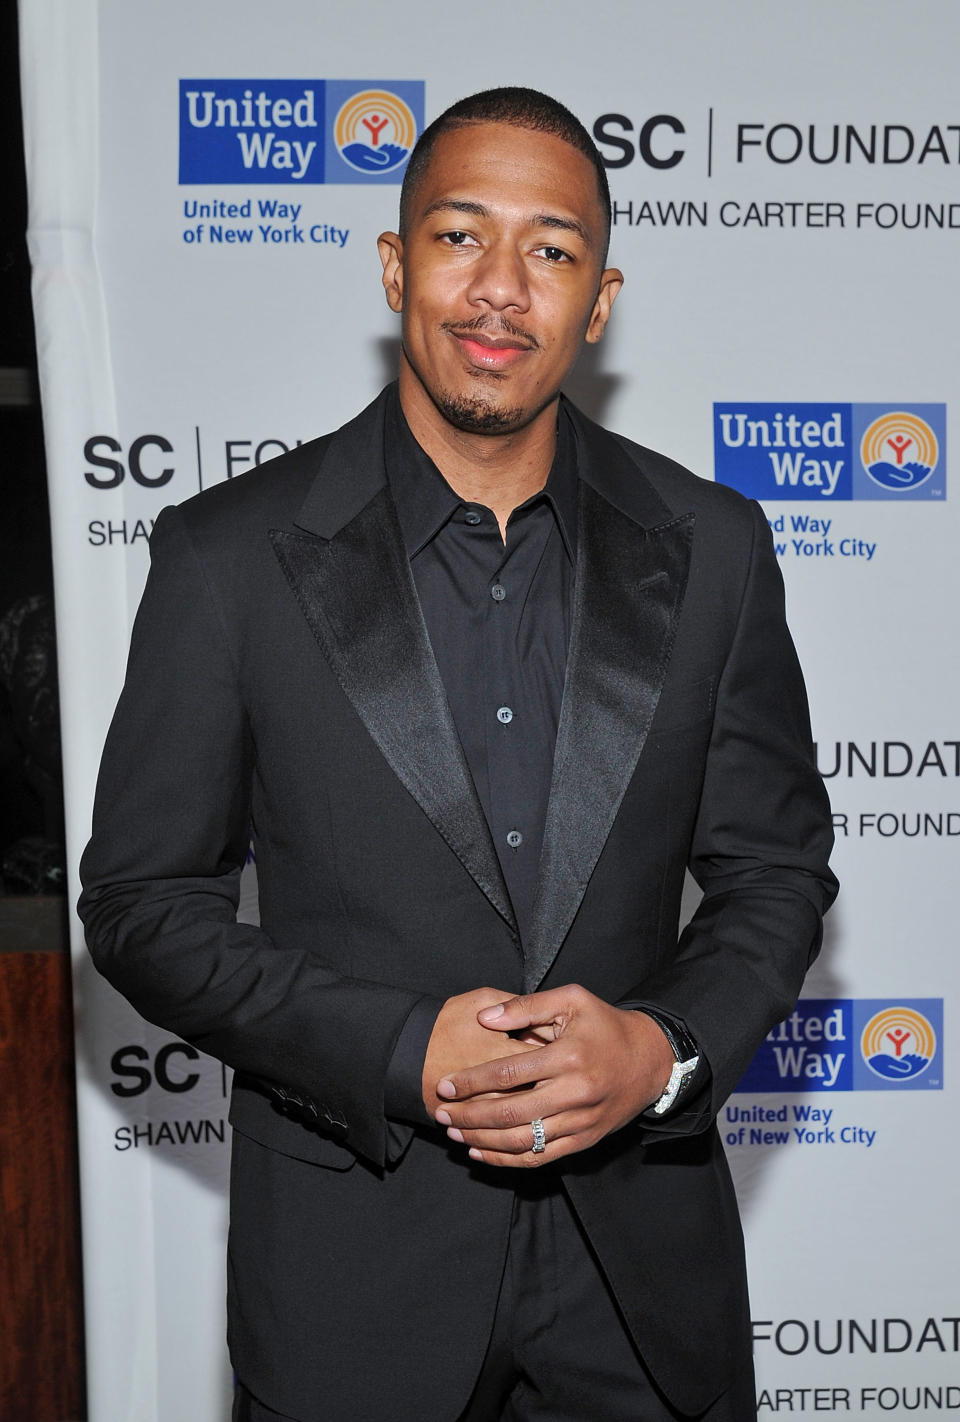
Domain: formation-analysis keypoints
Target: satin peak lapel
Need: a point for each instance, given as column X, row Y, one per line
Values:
column 630, row 587
column 358, row 596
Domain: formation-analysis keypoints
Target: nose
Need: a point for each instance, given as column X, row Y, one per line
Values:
column 499, row 279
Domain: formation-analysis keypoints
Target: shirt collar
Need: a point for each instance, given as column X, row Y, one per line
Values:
column 425, row 501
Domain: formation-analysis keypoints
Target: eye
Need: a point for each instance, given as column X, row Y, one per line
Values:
column 554, row 254
column 457, row 239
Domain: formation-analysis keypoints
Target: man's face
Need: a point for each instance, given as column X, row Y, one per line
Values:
column 499, row 276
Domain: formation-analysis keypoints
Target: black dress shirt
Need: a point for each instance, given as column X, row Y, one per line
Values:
column 498, row 618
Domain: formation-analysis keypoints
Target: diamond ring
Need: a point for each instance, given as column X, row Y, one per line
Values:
column 539, row 1136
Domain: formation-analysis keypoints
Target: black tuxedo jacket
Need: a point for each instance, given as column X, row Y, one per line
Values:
column 281, row 676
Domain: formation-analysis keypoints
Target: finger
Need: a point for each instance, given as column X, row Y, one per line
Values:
column 502, row 1074
column 567, row 1127
column 510, row 1111
column 534, row 1009
column 534, row 1036
column 527, row 1160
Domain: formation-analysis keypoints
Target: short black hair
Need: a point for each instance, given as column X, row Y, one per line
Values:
column 524, row 108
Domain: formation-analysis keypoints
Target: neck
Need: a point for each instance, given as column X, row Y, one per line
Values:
column 499, row 471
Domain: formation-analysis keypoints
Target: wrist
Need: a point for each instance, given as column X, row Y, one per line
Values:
column 682, row 1062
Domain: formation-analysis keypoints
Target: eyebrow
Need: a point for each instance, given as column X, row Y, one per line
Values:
column 540, row 219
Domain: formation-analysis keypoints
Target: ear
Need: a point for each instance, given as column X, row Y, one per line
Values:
column 610, row 283
column 390, row 247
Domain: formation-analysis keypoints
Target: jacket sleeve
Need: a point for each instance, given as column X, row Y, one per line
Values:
column 759, row 852
column 161, row 876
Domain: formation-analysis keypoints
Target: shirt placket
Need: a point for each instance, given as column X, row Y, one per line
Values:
column 511, row 759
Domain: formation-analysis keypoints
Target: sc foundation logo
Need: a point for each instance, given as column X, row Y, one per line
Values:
column 134, row 1072
column 303, row 131
column 176, row 1070
column 836, row 452
column 658, row 142
column 150, row 470
column 852, row 1044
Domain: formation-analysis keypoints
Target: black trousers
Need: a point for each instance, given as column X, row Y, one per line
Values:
column 559, row 1350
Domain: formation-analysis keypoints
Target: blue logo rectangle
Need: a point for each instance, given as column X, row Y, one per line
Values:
column 784, row 451
column 301, row 131
column 848, row 1044
column 831, row 452
column 252, row 130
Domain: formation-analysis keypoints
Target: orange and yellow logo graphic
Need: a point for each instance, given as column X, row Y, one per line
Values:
column 899, row 450
column 374, row 131
column 898, row 1043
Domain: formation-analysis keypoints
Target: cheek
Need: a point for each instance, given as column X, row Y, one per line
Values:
column 431, row 288
column 562, row 339
column 564, row 316
column 422, row 318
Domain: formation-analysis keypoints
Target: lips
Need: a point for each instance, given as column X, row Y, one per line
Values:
column 490, row 352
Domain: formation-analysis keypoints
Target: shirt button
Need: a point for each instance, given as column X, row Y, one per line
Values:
column 498, row 592
column 514, row 839
column 472, row 516
column 505, row 715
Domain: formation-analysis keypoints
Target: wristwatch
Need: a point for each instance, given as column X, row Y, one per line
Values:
column 687, row 1060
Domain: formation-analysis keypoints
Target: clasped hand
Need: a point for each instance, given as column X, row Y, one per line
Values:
column 564, row 1056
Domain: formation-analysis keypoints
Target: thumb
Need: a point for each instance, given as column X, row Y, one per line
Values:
column 532, row 1010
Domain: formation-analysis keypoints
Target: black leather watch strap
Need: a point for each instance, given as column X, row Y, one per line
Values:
column 683, row 1045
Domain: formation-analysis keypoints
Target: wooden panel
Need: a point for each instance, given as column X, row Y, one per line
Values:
column 41, row 1342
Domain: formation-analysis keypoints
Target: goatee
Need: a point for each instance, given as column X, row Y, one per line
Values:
column 478, row 416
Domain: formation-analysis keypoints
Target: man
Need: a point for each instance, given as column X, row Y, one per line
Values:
column 484, row 679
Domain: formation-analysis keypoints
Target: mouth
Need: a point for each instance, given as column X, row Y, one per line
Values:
column 491, row 352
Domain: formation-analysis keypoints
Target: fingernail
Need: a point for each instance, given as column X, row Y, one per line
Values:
column 442, row 1118
column 455, row 1135
column 490, row 1013
column 475, row 1155
column 446, row 1088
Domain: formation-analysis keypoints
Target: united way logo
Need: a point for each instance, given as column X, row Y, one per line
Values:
column 898, row 1043
column 852, row 1044
column 374, row 131
column 899, row 451
column 831, row 452
column 297, row 131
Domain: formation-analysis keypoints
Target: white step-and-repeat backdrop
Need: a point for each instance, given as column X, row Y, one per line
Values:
column 207, row 181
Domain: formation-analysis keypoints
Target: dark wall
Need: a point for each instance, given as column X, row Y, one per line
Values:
column 31, row 833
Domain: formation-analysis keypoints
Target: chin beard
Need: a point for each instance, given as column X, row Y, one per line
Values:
column 479, row 416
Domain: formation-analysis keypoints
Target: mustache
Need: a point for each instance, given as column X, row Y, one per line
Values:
column 492, row 326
